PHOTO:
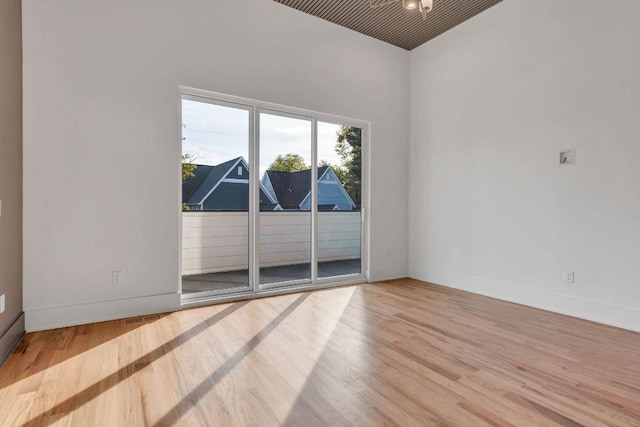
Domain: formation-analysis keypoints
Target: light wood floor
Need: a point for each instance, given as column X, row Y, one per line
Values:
column 398, row 353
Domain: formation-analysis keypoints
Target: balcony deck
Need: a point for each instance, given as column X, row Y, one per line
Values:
column 240, row 279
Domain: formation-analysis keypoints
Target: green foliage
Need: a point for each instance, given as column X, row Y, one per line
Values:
column 288, row 163
column 188, row 166
column 349, row 148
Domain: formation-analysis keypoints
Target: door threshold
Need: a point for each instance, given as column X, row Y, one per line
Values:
column 220, row 299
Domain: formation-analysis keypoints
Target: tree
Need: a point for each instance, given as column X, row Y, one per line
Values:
column 188, row 166
column 349, row 148
column 289, row 163
column 188, row 162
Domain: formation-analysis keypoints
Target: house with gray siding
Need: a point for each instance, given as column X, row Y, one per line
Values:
column 225, row 187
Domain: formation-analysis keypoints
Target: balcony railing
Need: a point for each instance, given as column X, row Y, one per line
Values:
column 214, row 242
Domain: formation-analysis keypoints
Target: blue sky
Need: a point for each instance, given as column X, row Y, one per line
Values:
column 214, row 134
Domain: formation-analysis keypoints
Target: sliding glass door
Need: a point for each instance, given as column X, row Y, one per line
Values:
column 215, row 197
column 272, row 199
column 285, row 220
column 339, row 190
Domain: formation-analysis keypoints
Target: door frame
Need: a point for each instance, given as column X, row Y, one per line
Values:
column 254, row 290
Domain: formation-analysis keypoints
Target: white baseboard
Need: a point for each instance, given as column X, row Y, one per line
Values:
column 619, row 316
column 379, row 273
column 57, row 317
column 11, row 337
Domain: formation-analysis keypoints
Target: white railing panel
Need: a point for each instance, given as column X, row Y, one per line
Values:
column 218, row 241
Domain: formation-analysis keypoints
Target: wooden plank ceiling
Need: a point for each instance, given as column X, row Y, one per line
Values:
column 392, row 23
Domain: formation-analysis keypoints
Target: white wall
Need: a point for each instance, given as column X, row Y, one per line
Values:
column 492, row 103
column 102, row 134
column 10, row 169
column 219, row 241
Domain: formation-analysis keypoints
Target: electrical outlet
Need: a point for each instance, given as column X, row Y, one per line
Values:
column 568, row 157
column 116, row 277
column 569, row 276
column 2, row 306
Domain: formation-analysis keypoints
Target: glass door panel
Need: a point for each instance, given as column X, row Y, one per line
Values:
column 339, row 190
column 215, row 197
column 285, row 199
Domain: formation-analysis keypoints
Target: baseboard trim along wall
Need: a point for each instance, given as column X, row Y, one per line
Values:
column 58, row 317
column 380, row 273
column 11, row 337
column 613, row 315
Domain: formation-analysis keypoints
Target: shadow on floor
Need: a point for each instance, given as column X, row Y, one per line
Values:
column 174, row 414
column 86, row 395
column 40, row 350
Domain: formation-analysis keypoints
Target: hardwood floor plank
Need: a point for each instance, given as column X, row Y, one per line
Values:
column 397, row 353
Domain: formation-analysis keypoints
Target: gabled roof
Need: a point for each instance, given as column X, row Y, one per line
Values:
column 210, row 188
column 196, row 188
column 191, row 184
column 328, row 172
column 291, row 188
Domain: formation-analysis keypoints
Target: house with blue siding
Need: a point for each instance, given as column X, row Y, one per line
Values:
column 293, row 190
column 225, row 187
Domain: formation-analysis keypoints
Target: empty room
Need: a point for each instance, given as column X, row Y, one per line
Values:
column 319, row 213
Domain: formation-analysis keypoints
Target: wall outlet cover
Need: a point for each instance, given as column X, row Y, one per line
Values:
column 116, row 277
column 568, row 157
column 569, row 276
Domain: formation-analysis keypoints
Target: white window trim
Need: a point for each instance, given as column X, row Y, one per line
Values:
column 235, row 181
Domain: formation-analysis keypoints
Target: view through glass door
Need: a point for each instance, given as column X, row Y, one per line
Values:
column 215, row 197
column 340, row 220
column 272, row 198
column 285, row 226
